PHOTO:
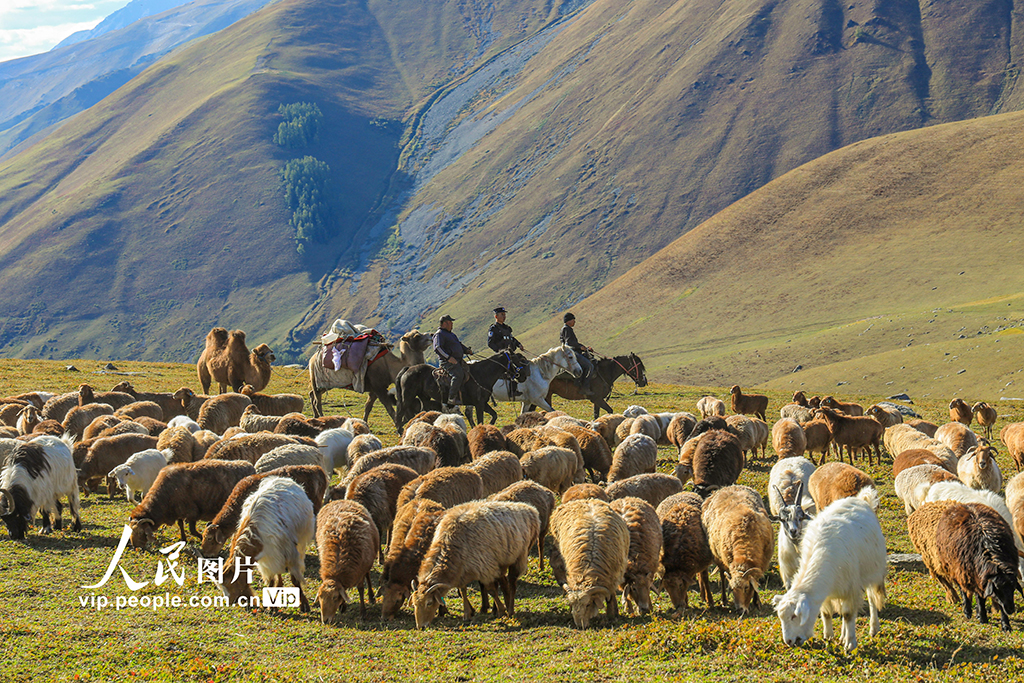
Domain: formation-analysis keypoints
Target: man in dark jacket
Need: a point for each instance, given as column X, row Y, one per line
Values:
column 451, row 352
column 499, row 336
column 568, row 337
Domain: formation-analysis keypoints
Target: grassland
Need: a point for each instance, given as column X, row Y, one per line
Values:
column 46, row 635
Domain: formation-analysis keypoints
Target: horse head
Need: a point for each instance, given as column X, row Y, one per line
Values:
column 637, row 372
column 565, row 357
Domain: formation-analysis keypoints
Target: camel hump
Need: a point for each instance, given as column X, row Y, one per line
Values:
column 237, row 336
column 218, row 337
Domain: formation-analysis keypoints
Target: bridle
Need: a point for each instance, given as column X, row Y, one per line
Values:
column 629, row 371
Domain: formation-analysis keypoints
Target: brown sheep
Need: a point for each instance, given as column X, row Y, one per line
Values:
column 959, row 411
column 914, row 457
column 99, row 424
column 363, row 444
column 311, row 478
column 51, row 427
column 887, row 417
column 274, row 404
column 686, row 554
column 742, row 542
column 484, row 439
column 414, row 528
column 107, row 453
column 449, row 486
column 709, row 406
column 717, row 462
column 57, row 407
column 801, row 414
column 800, row 398
column 1015, row 502
column 923, row 426
column 154, row 427
column 653, row 488
column 986, row 416
column 854, row 432
column 851, row 409
column 346, row 542
column 296, row 424
column 624, row 429
column 646, row 424
column 551, row 466
column 687, row 497
column 788, row 438
column 9, row 413
column 606, row 425
column 81, row 417
column 597, row 455
column 253, row 420
column 228, row 361
column 637, row 454
column 745, row 430
column 899, row 438
column 125, row 427
column 818, row 438
column 222, row 412
column 204, row 441
column 170, row 406
column 679, row 429
column 584, row 491
column 378, row 491
column 748, row 404
column 141, row 409
column 188, row 492
column 423, row 460
column 1012, row 436
column 958, row 437
column 115, row 399
column 835, row 480
column 446, row 445
column 540, row 497
column 644, row 552
column 250, row 447
column 498, row 469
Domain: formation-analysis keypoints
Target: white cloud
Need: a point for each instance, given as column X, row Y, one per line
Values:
column 20, row 42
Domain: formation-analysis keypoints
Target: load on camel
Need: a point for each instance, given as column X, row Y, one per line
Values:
column 356, row 357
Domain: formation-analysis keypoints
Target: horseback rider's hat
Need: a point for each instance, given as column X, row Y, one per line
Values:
column 500, row 309
column 567, row 317
column 447, row 319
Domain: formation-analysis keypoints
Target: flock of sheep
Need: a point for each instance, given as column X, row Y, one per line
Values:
column 450, row 507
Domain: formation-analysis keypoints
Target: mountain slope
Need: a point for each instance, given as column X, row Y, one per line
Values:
column 886, row 266
column 158, row 213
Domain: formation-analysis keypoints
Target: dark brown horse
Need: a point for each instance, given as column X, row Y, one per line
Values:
column 606, row 371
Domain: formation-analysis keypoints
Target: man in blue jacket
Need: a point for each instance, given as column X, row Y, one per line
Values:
column 451, row 352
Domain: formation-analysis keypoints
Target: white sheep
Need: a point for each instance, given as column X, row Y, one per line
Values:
column 139, row 472
column 34, row 476
column 842, row 557
column 290, row 454
column 783, row 479
column 710, row 406
column 333, row 445
column 912, row 484
column 634, row 411
column 978, row 468
column 454, row 419
column 184, row 421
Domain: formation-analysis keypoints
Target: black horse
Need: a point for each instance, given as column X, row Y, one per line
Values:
column 606, row 371
column 417, row 389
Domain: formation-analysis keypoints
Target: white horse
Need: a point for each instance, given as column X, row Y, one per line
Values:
column 543, row 369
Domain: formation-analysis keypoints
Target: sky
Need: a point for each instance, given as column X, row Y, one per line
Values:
column 28, row 27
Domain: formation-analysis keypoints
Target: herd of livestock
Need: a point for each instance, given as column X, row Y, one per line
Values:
column 451, row 506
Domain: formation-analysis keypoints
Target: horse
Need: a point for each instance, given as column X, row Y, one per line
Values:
column 417, row 389
column 543, row 369
column 606, row 371
column 380, row 374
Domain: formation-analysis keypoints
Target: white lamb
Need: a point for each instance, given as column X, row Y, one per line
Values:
column 139, row 472
column 184, row 421
column 452, row 419
column 634, row 411
column 333, row 445
column 842, row 557
column 783, row 477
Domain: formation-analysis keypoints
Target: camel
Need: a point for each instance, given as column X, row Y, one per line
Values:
column 380, row 375
column 228, row 361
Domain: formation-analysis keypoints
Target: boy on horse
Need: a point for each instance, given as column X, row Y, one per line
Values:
column 583, row 353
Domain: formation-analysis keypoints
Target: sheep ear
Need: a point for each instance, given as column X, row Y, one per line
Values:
column 804, row 610
column 776, row 600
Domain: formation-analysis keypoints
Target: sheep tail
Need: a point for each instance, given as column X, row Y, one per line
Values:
column 869, row 494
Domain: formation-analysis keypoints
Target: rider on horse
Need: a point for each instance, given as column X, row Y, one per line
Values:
column 500, row 340
column 583, row 353
column 451, row 352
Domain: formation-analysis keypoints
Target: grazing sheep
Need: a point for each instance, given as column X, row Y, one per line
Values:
column 592, row 543
column 742, row 541
column 958, row 437
column 333, row 444
column 484, row 439
column 637, row 454
column 748, row 404
column 140, row 409
column 744, row 429
column 107, row 453
column 923, row 426
column 709, row 406
column 310, row 477
column 126, row 427
column 221, row 412
column 82, row 416
column 788, row 438
column 346, row 541
column 498, row 470
column 449, row 486
column 529, row 420
column 273, row 404
column 36, row 398
column 34, row 477
column 913, row 458
column 717, row 462
column 57, row 407
column 584, row 491
column 188, row 492
column 204, row 441
column 565, row 421
column 414, row 528
column 355, row 425
column 979, row 470
column 115, row 399
column 606, row 426
column 900, row 438
column 678, row 430
column 795, row 411
column 854, row 432
column 361, row 445
column 1015, row 502
column 686, row 554
column 884, row 415
column 850, row 409
column 986, row 416
column 687, row 497
column 296, row 424
column 961, row 493
column 1012, row 436
column 446, row 445
column 423, row 460
column 644, row 552
column 652, row 487
column 835, row 480
column 818, row 437
column 139, row 472
column 249, row 447
column 969, row 547
column 154, row 427
column 912, row 483
column 634, row 411
column 290, row 454
column 842, row 558
column 378, row 491
column 959, row 411
column 597, row 455
column 786, row 474
column 646, row 424
column 485, row 541
column 276, row 528
column 100, row 424
column 170, row 406
column 552, row 467
column 253, row 420
column 540, row 497
column 184, row 421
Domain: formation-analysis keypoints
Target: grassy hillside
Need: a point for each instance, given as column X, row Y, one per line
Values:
column 158, row 213
column 886, row 266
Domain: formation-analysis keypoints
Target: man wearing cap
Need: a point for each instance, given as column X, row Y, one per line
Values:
column 499, row 336
column 568, row 337
column 451, row 351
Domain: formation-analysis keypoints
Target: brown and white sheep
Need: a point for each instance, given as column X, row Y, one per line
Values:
column 644, row 552
column 717, row 462
column 959, row 411
column 592, row 543
column 979, row 470
column 788, row 438
column 107, row 453
column 362, row 444
column 912, row 484
column 835, row 480
column 637, row 454
column 986, row 416
column 652, row 487
column 253, row 420
column 742, row 542
column 686, row 553
column 498, row 470
column 346, row 541
column 958, row 437
column 913, row 458
column 900, row 438
column 647, row 424
column 748, row 404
